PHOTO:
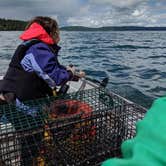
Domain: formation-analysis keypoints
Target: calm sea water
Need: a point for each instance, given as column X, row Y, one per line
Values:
column 134, row 61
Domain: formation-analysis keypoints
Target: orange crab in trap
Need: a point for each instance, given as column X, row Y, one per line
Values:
column 68, row 109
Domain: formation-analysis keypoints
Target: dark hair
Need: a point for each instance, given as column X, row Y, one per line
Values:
column 49, row 24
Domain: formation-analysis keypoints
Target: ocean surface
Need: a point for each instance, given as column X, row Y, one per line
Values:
column 134, row 61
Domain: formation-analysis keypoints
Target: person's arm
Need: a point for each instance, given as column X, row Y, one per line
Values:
column 40, row 59
column 147, row 148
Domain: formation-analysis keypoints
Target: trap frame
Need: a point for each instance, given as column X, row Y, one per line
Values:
column 80, row 128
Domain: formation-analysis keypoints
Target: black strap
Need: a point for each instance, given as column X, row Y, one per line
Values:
column 29, row 43
column 20, row 53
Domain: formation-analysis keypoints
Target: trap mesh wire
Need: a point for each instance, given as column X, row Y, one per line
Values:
column 82, row 128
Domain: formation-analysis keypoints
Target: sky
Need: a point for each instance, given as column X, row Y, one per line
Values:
column 89, row 13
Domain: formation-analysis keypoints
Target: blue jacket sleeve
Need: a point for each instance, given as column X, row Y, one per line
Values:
column 44, row 62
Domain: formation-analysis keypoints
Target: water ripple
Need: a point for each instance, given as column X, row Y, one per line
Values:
column 134, row 61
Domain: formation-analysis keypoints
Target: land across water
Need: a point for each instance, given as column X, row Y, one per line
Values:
column 18, row 25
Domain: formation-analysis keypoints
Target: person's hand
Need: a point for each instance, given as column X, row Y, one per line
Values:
column 75, row 73
column 72, row 69
column 2, row 97
column 81, row 74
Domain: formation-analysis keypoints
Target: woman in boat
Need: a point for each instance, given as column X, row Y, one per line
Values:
column 34, row 70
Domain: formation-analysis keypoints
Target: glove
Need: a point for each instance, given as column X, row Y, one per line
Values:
column 71, row 68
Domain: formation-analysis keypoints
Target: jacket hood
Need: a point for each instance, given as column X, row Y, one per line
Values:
column 36, row 31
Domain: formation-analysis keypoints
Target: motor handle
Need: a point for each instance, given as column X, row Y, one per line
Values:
column 102, row 83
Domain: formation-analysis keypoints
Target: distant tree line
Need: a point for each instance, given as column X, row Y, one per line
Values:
column 12, row 25
column 113, row 28
column 18, row 25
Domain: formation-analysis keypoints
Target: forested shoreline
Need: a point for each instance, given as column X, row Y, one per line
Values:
column 12, row 25
column 19, row 25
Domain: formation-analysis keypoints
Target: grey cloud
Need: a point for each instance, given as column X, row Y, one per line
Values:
column 23, row 9
column 115, row 13
column 90, row 13
column 16, row 3
column 119, row 3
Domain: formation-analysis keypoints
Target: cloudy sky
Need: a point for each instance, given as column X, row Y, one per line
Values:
column 91, row 13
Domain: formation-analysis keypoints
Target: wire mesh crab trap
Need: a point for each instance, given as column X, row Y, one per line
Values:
column 82, row 128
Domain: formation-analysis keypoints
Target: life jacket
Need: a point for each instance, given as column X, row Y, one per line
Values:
column 25, row 85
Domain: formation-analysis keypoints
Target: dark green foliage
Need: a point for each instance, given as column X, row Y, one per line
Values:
column 113, row 28
column 78, row 28
column 12, row 25
column 18, row 25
